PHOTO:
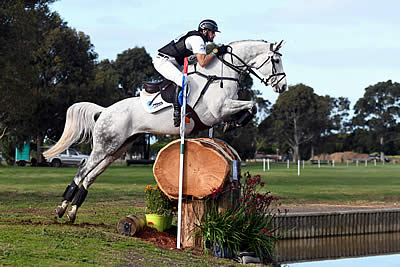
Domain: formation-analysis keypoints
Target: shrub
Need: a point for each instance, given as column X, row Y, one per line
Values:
column 157, row 202
column 246, row 226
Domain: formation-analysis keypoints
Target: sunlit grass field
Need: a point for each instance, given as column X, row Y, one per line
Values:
column 339, row 184
column 31, row 234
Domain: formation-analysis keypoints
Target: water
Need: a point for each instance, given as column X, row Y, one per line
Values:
column 355, row 250
column 373, row 261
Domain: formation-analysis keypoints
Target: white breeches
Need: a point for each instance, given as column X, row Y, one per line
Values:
column 169, row 69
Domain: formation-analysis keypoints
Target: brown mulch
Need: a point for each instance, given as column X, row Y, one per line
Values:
column 165, row 239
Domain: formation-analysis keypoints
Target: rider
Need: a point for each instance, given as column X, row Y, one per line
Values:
column 170, row 58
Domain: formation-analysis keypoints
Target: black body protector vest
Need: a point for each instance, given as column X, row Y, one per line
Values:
column 177, row 49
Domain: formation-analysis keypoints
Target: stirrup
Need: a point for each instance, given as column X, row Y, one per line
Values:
column 229, row 126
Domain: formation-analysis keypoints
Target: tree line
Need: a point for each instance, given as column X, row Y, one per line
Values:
column 46, row 66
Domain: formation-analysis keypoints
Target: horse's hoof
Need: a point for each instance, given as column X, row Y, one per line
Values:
column 60, row 211
column 71, row 216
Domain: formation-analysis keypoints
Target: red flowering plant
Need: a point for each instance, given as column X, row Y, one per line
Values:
column 253, row 217
column 246, row 225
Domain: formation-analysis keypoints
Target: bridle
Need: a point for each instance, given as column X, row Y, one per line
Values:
column 244, row 68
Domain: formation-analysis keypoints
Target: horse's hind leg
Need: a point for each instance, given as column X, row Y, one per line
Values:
column 90, row 177
column 71, row 190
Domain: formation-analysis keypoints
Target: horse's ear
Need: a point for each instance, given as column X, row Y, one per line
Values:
column 279, row 45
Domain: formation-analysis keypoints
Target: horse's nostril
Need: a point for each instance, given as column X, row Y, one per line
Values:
column 283, row 88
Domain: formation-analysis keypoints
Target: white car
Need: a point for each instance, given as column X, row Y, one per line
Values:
column 69, row 157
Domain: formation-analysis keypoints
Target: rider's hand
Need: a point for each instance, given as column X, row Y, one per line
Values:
column 222, row 49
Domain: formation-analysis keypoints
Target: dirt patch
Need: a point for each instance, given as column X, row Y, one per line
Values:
column 165, row 239
column 30, row 211
column 342, row 156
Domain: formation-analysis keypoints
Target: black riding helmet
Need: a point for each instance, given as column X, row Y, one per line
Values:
column 208, row 24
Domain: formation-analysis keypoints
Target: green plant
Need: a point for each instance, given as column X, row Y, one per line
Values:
column 253, row 217
column 219, row 230
column 157, row 202
column 246, row 226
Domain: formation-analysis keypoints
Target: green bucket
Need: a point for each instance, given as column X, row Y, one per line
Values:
column 160, row 222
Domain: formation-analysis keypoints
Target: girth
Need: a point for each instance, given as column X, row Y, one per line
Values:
column 210, row 79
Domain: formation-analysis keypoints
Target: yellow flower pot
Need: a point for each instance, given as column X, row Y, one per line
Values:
column 160, row 222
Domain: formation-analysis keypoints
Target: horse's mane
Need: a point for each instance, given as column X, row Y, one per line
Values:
column 234, row 42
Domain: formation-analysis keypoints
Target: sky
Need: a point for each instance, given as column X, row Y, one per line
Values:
column 337, row 47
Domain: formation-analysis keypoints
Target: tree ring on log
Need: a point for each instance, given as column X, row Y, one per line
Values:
column 207, row 164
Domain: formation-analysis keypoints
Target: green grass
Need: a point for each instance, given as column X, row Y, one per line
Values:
column 339, row 184
column 31, row 234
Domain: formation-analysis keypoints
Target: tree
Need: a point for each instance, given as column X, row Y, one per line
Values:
column 337, row 125
column 298, row 116
column 134, row 67
column 52, row 68
column 379, row 111
column 106, row 88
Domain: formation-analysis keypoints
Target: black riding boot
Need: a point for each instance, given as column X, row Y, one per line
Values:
column 177, row 108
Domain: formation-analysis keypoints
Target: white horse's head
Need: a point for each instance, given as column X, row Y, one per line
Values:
column 264, row 61
column 268, row 63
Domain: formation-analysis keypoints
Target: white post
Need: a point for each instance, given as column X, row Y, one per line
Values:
column 298, row 168
column 235, row 170
column 319, row 164
column 333, row 163
column 264, row 164
column 211, row 133
column 182, row 152
column 268, row 164
column 366, row 164
column 357, row 163
column 288, row 164
column 303, row 163
column 374, row 162
column 347, row 163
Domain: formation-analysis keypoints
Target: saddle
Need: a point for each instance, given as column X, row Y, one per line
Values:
column 160, row 95
column 166, row 88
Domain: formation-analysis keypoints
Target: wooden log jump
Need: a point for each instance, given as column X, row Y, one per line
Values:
column 209, row 164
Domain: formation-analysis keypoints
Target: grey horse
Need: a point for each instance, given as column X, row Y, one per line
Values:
column 213, row 98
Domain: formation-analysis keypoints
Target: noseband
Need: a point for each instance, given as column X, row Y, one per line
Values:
column 244, row 68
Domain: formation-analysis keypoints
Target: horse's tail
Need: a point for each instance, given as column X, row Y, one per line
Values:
column 79, row 124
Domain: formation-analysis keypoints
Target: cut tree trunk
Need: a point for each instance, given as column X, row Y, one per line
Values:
column 131, row 224
column 209, row 164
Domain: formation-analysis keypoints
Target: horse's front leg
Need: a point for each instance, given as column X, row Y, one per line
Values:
column 244, row 109
column 232, row 106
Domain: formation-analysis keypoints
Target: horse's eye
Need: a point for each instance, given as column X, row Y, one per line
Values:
column 276, row 61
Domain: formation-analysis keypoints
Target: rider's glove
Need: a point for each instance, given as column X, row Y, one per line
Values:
column 220, row 50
